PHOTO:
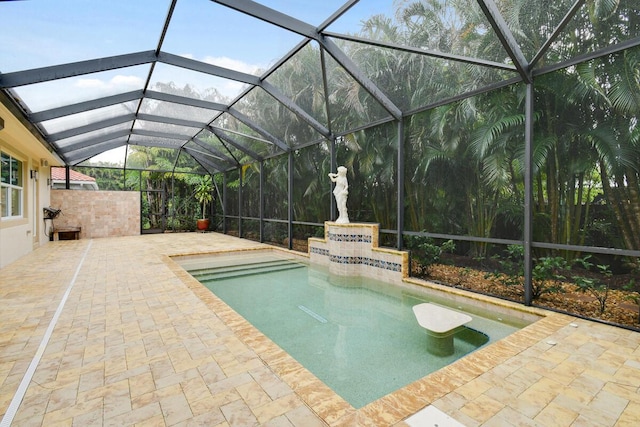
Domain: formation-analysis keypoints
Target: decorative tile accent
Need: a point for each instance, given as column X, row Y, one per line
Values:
column 346, row 247
column 319, row 251
column 355, row 238
column 370, row 262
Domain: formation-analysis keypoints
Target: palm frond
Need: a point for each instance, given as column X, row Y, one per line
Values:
column 485, row 136
column 614, row 153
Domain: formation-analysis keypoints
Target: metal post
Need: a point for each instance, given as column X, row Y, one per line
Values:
column 224, row 202
column 261, row 201
column 141, row 197
column 334, row 166
column 528, row 194
column 67, row 177
column 173, row 201
column 240, row 203
column 400, row 178
column 290, row 225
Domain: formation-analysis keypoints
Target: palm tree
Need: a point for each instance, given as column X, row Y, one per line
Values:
column 204, row 193
column 586, row 137
column 616, row 139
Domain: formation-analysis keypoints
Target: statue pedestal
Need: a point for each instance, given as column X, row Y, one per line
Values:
column 352, row 250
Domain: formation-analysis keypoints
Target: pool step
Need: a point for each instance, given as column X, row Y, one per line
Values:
column 246, row 269
column 245, row 265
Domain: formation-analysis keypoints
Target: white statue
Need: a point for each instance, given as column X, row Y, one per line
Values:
column 341, row 191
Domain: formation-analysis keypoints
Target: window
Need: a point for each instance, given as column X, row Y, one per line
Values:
column 10, row 186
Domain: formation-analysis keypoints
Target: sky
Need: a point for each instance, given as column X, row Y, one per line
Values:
column 40, row 33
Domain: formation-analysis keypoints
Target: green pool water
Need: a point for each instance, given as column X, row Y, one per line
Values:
column 359, row 336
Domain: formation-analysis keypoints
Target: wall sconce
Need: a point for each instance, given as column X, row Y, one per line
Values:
column 1, row 123
column 34, row 174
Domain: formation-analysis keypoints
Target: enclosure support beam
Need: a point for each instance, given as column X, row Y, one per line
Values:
column 295, row 109
column 505, row 36
column 565, row 21
column 334, row 166
column 73, row 69
column 253, row 126
column 204, row 161
column 271, row 16
column 73, row 158
column 80, row 145
column 528, row 194
column 226, row 138
column 92, row 127
column 400, row 190
column 290, row 202
column 422, row 51
column 224, row 202
column 81, row 107
column 360, row 77
column 261, row 207
column 173, row 203
column 240, row 202
column 325, row 86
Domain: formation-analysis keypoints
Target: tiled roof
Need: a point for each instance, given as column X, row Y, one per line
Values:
column 57, row 174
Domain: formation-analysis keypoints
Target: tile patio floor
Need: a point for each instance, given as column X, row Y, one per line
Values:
column 139, row 342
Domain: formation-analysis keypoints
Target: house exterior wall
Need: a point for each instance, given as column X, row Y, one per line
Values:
column 21, row 235
column 99, row 213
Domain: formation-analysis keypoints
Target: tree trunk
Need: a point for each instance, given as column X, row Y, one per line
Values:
column 614, row 202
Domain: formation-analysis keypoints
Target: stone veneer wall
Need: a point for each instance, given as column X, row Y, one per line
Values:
column 352, row 250
column 99, row 213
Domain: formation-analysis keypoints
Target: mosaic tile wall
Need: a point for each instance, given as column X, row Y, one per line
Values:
column 352, row 250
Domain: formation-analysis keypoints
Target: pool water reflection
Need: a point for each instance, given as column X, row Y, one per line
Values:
column 358, row 335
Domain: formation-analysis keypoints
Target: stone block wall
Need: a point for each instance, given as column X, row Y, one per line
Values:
column 352, row 250
column 99, row 213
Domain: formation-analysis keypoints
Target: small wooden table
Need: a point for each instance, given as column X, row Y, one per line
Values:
column 75, row 230
column 441, row 324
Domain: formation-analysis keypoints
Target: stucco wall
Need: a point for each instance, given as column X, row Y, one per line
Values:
column 99, row 213
column 19, row 236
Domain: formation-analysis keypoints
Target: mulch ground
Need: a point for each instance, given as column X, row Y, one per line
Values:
column 619, row 309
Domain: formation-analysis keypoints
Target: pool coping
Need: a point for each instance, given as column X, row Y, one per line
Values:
column 395, row 407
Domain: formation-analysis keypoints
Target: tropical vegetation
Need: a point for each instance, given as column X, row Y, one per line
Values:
column 463, row 157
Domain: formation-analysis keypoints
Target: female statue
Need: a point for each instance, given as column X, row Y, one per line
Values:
column 341, row 191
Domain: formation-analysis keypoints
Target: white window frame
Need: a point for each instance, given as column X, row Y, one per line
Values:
column 8, row 189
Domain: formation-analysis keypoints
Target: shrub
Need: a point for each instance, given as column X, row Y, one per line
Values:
column 427, row 253
column 597, row 288
column 511, row 267
column 546, row 277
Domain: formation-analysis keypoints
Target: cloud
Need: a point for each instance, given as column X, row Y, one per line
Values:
column 227, row 88
column 229, row 63
column 115, row 83
column 234, row 64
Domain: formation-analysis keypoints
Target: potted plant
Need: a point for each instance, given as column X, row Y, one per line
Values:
column 204, row 196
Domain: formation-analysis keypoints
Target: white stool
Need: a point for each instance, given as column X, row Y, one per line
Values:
column 441, row 324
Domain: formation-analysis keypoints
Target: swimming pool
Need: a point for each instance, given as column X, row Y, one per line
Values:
column 359, row 336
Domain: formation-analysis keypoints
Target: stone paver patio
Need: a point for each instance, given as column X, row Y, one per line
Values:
column 140, row 342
